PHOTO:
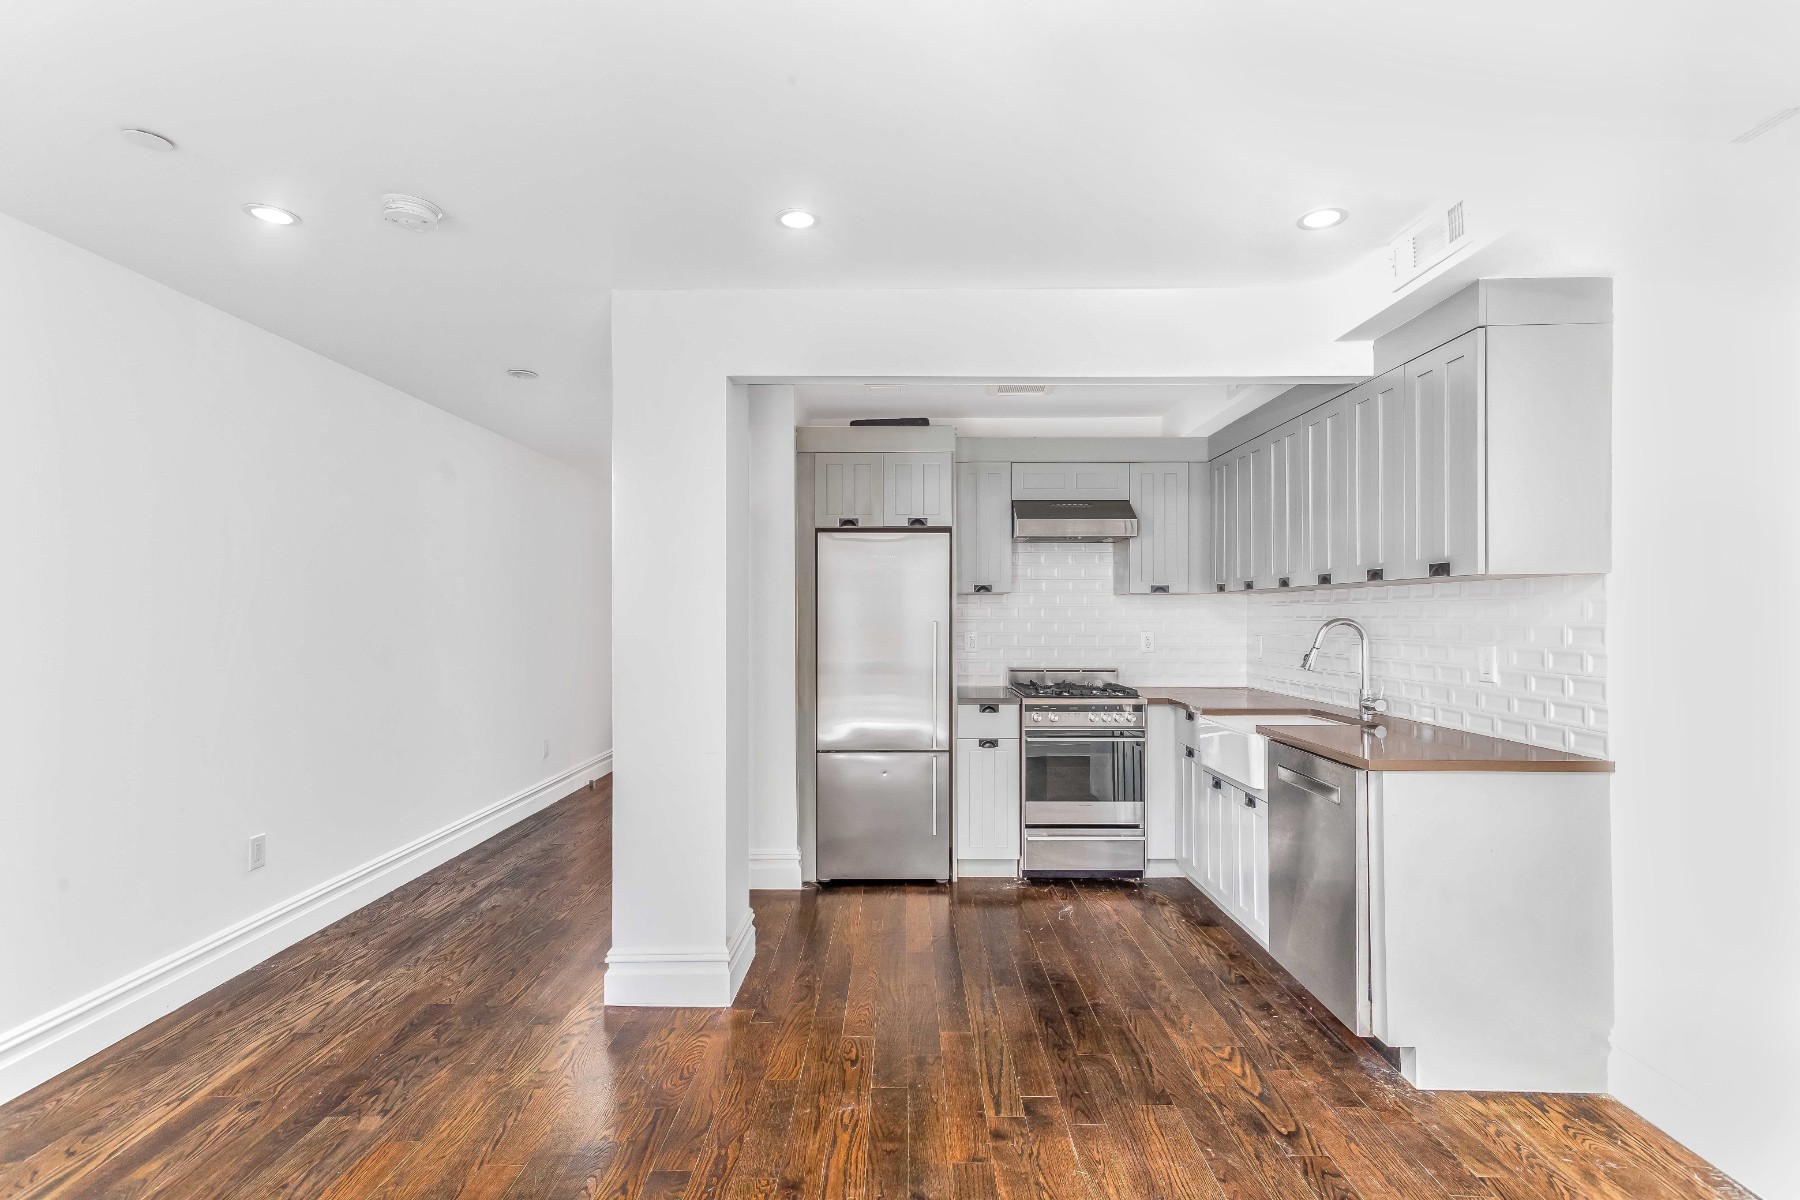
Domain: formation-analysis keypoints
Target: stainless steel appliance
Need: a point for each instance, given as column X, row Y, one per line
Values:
column 1318, row 879
column 1083, row 777
column 1074, row 520
column 882, row 620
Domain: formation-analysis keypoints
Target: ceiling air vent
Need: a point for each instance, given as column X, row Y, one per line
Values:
column 1020, row 389
column 1427, row 242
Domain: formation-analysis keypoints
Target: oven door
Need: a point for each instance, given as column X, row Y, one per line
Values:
column 1084, row 780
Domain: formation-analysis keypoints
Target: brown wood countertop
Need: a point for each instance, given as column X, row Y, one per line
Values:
column 1390, row 744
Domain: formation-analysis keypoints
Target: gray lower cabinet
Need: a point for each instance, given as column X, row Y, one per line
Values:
column 1156, row 561
column 984, row 544
column 848, row 489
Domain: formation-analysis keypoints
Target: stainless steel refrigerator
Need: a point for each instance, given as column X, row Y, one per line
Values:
column 882, row 604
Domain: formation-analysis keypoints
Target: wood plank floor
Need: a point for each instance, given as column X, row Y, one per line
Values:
column 991, row 1041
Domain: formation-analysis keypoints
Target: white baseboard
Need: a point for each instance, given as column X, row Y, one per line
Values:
column 775, row 870
column 46, row 1046
column 987, row 868
column 681, row 976
column 1163, row 868
column 1711, row 1128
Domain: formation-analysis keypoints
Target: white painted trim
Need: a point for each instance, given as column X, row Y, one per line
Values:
column 681, row 976
column 48, row 1045
column 1163, row 868
column 987, row 868
column 775, row 870
column 1706, row 1128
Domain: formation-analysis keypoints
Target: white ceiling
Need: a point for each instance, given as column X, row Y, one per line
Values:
column 583, row 146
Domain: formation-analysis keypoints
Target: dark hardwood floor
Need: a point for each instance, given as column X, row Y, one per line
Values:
column 985, row 1041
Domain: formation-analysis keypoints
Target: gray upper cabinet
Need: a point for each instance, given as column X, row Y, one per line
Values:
column 1071, row 481
column 917, row 490
column 984, row 544
column 1481, row 450
column 1155, row 562
column 1378, row 436
column 848, row 489
column 1445, row 460
column 1329, row 551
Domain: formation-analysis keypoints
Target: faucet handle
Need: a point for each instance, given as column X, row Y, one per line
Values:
column 1376, row 703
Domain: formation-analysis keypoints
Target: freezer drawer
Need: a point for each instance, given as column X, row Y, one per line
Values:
column 1082, row 812
column 884, row 815
column 1077, row 851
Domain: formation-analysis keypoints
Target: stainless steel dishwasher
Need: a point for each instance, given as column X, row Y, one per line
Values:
column 1319, row 879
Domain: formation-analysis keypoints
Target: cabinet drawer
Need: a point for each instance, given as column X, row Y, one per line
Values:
column 971, row 722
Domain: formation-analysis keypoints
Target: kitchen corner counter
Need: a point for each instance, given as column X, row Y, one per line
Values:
column 986, row 695
column 1390, row 744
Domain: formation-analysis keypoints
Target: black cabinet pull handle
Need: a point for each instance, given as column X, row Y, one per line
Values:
column 844, row 522
column 982, row 589
column 1249, row 584
column 1282, row 582
column 1249, row 801
column 1325, row 578
column 1218, row 587
column 990, row 743
column 915, row 520
column 1190, row 716
column 1190, row 751
column 1217, row 786
column 1159, row 589
column 1438, row 570
column 987, row 708
column 1375, row 574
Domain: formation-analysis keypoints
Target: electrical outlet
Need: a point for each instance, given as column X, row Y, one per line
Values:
column 1256, row 645
column 1147, row 642
column 259, row 851
column 1489, row 659
column 969, row 642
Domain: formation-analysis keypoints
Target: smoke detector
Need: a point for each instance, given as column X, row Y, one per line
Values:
column 411, row 212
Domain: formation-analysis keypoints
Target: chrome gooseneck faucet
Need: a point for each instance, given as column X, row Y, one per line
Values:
column 1367, row 702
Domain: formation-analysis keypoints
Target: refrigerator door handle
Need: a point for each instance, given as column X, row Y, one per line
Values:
column 934, row 795
column 936, row 700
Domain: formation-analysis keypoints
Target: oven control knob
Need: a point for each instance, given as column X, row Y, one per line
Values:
column 1037, row 716
column 1053, row 718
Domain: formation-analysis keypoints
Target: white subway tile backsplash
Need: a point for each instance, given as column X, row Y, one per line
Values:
column 1550, row 634
column 1062, row 613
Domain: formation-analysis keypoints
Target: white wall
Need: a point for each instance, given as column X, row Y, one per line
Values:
column 1705, row 655
column 1549, row 634
column 1062, row 613
column 248, row 590
column 774, row 800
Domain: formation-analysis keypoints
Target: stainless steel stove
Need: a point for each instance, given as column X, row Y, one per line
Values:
column 1083, row 778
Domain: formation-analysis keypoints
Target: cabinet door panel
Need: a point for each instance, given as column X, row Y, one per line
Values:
column 1252, row 909
column 1156, row 559
column 847, row 489
column 987, row 798
column 1330, row 498
column 916, row 489
column 1445, row 510
column 1243, row 571
column 1223, row 506
column 984, row 545
column 1378, row 430
column 1071, row 481
column 1291, row 484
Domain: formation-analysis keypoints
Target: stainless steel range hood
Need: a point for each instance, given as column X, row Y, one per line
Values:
column 1074, row 521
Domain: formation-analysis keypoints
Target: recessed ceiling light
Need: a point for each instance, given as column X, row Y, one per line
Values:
column 1322, row 218
column 522, row 373
column 146, row 139
column 271, row 214
column 793, row 218
column 411, row 212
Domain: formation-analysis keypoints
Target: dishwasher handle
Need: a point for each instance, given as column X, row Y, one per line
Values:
column 1309, row 785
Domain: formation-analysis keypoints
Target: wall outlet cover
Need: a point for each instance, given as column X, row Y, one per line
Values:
column 1147, row 642
column 259, row 851
column 1489, row 659
column 969, row 642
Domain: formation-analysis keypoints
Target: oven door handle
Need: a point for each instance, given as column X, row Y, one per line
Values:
column 1107, row 741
